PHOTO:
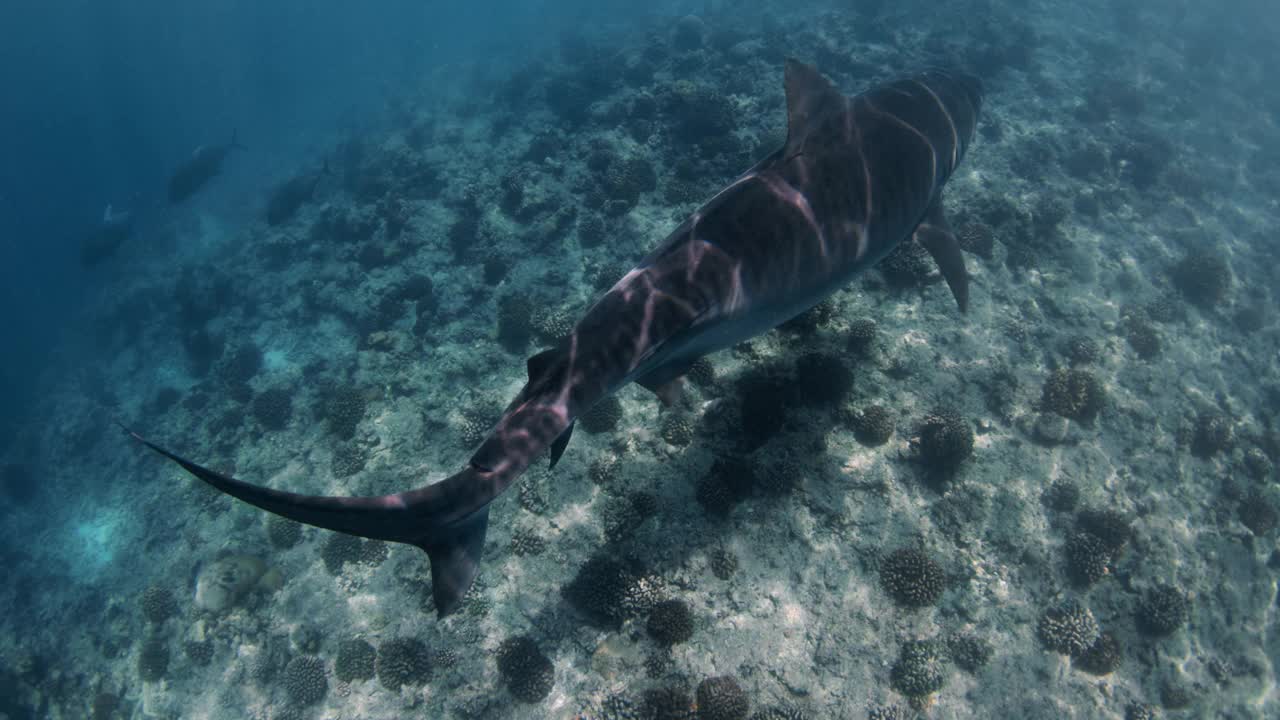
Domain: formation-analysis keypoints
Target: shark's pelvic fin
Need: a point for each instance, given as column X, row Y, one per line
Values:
column 562, row 442
column 936, row 236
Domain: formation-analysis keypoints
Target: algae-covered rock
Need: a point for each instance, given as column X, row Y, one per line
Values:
column 222, row 583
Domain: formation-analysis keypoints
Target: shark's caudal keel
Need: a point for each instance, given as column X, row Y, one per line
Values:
column 857, row 176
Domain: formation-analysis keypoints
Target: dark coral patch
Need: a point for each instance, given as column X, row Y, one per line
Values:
column 527, row 672
column 912, row 577
column 722, row 698
column 670, row 622
column 945, row 439
column 1074, row 394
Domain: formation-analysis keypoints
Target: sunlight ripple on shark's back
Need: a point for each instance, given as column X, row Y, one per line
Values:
column 857, row 176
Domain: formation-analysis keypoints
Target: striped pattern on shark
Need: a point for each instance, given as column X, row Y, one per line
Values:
column 857, row 176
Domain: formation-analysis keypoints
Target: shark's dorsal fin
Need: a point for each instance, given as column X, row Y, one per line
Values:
column 538, row 364
column 936, row 236
column 808, row 94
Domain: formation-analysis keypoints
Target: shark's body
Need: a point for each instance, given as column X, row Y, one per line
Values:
column 107, row 237
column 291, row 195
column 196, row 171
column 857, row 176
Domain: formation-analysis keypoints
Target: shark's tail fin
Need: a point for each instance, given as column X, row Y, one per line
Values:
column 430, row 517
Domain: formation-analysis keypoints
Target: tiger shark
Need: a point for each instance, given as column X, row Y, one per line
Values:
column 196, row 171
column 857, row 176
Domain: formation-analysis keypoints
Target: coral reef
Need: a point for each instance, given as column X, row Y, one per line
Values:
column 908, row 265
column 344, row 408
column 304, row 680
column 1062, row 495
column 944, row 440
column 282, row 532
column 525, row 670
column 969, row 652
column 1258, row 513
column 919, row 669
column 874, row 425
column 603, row 417
column 670, row 622
column 912, row 577
column 403, row 661
column 153, row 660
column 863, row 335
column 158, row 604
column 721, row 698
column 1162, row 611
column 606, row 592
column 676, row 429
column 778, row 712
column 1074, row 394
column 1213, row 433
column 1203, row 277
column 1109, row 404
column 1102, row 657
column 667, row 703
column 356, row 661
column 273, row 408
column 1068, row 628
column 1088, row 558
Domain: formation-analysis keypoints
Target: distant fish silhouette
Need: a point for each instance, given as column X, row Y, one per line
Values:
column 291, row 195
column 106, row 238
column 857, row 176
column 196, row 171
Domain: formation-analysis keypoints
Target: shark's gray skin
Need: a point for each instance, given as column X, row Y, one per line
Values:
column 196, row 171
column 107, row 237
column 290, row 195
column 857, row 176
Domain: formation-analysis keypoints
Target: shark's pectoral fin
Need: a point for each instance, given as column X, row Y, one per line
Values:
column 561, row 442
column 670, row 392
column 455, row 561
column 935, row 235
column 667, row 382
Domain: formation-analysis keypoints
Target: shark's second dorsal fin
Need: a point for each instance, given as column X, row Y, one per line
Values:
column 808, row 94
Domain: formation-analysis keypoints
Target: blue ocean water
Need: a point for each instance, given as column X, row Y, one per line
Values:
column 319, row 246
column 106, row 98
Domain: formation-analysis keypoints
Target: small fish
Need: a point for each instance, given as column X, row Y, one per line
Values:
column 292, row 194
column 204, row 165
column 857, row 176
